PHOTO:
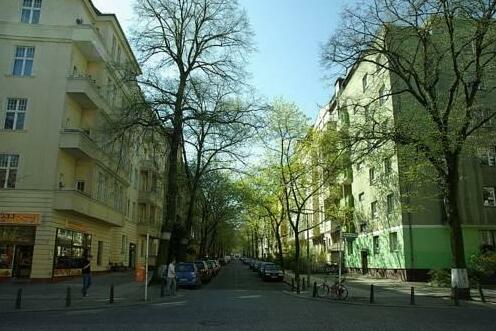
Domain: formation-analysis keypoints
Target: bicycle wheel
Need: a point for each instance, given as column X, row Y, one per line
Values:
column 341, row 292
column 322, row 290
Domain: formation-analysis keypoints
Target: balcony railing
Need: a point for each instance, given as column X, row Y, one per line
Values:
column 82, row 204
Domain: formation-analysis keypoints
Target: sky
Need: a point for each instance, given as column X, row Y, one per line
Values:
column 288, row 37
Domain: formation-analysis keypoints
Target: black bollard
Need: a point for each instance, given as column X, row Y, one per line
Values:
column 162, row 289
column 412, row 296
column 111, row 299
column 68, row 297
column 18, row 299
column 292, row 285
column 314, row 289
column 372, row 293
column 455, row 296
column 483, row 298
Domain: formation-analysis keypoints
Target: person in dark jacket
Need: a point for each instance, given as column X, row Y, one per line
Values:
column 86, row 272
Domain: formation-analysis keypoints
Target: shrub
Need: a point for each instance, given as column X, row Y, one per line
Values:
column 440, row 277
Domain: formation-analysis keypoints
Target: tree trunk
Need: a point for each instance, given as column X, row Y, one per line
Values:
column 297, row 259
column 170, row 207
column 279, row 248
column 459, row 278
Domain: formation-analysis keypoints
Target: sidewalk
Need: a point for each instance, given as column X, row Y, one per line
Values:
column 52, row 296
column 396, row 293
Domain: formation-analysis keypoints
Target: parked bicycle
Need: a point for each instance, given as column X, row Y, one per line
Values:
column 335, row 291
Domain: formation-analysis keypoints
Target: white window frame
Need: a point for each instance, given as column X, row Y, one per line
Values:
column 10, row 166
column 22, row 54
column 17, row 107
column 490, row 201
column 30, row 7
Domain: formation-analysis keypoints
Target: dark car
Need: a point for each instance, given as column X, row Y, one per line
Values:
column 205, row 273
column 272, row 272
column 187, row 274
column 262, row 267
column 211, row 267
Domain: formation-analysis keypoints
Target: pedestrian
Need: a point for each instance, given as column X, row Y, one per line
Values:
column 171, row 278
column 86, row 272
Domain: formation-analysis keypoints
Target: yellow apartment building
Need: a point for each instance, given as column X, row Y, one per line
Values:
column 65, row 189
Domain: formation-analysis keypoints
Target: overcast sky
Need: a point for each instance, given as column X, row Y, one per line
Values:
column 288, row 38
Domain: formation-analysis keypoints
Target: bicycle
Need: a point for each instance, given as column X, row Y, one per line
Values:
column 335, row 291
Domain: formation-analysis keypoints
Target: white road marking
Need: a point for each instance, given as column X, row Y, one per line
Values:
column 177, row 303
column 249, row 297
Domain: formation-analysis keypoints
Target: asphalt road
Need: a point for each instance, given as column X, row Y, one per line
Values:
column 238, row 300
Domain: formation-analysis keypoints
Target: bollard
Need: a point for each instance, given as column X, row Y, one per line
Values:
column 292, row 285
column 111, row 299
column 314, row 289
column 412, row 296
column 455, row 296
column 68, row 297
column 372, row 293
column 18, row 299
column 162, row 289
column 483, row 298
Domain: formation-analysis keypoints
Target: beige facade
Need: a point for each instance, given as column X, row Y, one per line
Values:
column 80, row 191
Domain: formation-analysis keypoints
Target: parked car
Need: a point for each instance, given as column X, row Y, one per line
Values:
column 272, row 272
column 187, row 274
column 262, row 267
column 205, row 273
column 212, row 267
column 222, row 261
column 257, row 265
column 252, row 264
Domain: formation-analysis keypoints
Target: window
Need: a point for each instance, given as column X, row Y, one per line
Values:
column 376, row 244
column 387, row 166
column 373, row 209
column 8, row 170
column 361, row 197
column 30, row 12
column 23, row 61
column 70, row 248
column 489, row 198
column 488, row 156
column 365, row 82
column 372, row 176
column 80, row 185
column 390, row 203
column 99, row 256
column 359, row 165
column 349, row 248
column 15, row 114
column 382, row 95
column 393, row 242
column 488, row 239
column 363, row 227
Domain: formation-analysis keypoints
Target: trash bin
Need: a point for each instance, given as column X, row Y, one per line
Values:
column 139, row 274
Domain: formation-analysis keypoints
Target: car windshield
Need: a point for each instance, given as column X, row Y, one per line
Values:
column 272, row 267
column 185, row 268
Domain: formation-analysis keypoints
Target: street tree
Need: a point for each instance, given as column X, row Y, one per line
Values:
column 439, row 56
column 179, row 41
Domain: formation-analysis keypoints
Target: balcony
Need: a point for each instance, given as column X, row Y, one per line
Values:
column 149, row 197
column 78, row 143
column 84, row 90
column 83, row 205
column 89, row 41
column 150, row 227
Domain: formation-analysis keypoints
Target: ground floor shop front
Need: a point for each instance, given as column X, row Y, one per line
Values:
column 45, row 246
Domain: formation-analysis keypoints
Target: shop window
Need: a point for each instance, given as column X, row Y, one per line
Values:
column 70, row 248
column 6, row 256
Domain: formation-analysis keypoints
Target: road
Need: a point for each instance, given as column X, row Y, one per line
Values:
column 238, row 300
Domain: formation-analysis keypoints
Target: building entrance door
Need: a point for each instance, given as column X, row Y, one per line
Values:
column 132, row 256
column 365, row 262
column 23, row 261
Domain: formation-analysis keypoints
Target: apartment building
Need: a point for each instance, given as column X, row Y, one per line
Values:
column 401, row 228
column 66, row 187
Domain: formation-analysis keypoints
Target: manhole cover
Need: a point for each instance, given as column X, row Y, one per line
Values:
column 212, row 323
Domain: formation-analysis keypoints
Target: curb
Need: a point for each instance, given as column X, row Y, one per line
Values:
column 103, row 306
column 479, row 305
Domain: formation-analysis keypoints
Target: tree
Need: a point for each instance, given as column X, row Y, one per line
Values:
column 296, row 151
column 439, row 55
column 180, row 41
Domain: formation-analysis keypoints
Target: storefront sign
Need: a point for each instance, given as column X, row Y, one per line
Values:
column 19, row 219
